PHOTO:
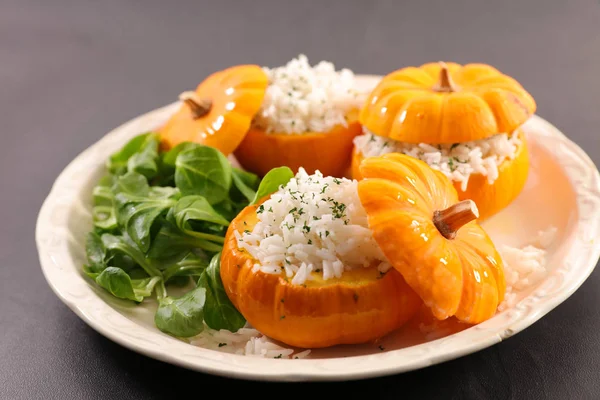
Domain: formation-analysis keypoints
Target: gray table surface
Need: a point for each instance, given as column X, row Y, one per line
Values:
column 71, row 70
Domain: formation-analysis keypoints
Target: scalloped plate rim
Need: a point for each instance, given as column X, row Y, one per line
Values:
column 373, row 365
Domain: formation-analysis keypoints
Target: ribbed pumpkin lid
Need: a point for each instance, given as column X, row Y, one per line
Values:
column 432, row 239
column 220, row 111
column 439, row 103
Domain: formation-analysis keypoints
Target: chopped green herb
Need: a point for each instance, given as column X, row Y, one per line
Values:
column 261, row 209
column 279, row 356
column 306, row 228
column 222, row 344
column 381, row 348
column 309, row 241
column 451, row 164
column 282, row 317
column 355, row 297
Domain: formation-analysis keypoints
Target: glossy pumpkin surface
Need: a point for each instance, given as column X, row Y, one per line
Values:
column 489, row 197
column 361, row 306
column 462, row 276
column 328, row 152
column 220, row 111
column 446, row 103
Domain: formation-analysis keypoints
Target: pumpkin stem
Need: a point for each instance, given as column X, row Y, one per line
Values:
column 445, row 84
column 200, row 107
column 450, row 220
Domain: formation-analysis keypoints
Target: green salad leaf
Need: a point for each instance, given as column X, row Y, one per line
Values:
column 203, row 171
column 160, row 220
column 245, row 182
column 139, row 155
column 219, row 312
column 118, row 283
column 191, row 264
column 125, row 246
column 170, row 241
column 183, row 316
column 137, row 207
column 145, row 286
column 272, row 181
column 95, row 254
column 103, row 212
column 194, row 216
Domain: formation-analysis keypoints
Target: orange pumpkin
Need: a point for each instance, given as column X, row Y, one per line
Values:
column 328, row 152
column 359, row 307
column 220, row 111
column 446, row 103
column 489, row 197
column 431, row 239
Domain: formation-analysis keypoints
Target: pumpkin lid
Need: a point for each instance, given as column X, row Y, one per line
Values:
column 219, row 112
column 441, row 102
column 431, row 238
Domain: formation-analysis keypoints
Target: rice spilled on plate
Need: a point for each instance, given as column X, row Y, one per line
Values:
column 302, row 98
column 526, row 266
column 457, row 161
column 246, row 341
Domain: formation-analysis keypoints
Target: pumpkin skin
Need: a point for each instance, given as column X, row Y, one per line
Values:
column 359, row 307
column 236, row 95
column 328, row 152
column 424, row 105
column 461, row 277
column 490, row 198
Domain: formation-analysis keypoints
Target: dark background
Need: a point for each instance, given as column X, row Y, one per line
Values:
column 70, row 71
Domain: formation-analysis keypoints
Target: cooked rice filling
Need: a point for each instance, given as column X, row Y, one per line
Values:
column 313, row 225
column 457, row 161
column 302, row 98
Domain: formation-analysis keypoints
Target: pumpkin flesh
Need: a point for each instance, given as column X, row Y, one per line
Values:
column 328, row 152
column 361, row 306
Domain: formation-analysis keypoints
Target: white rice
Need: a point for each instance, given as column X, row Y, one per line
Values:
column 526, row 266
column 301, row 98
column 457, row 161
column 313, row 225
column 247, row 341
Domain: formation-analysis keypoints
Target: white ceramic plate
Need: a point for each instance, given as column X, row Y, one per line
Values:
column 563, row 190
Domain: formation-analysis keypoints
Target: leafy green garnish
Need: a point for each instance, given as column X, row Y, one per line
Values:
column 272, row 181
column 219, row 312
column 95, row 254
column 197, row 209
column 118, row 283
column 160, row 220
column 245, row 182
column 137, row 209
column 139, row 155
column 169, row 242
column 183, row 316
column 203, row 171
